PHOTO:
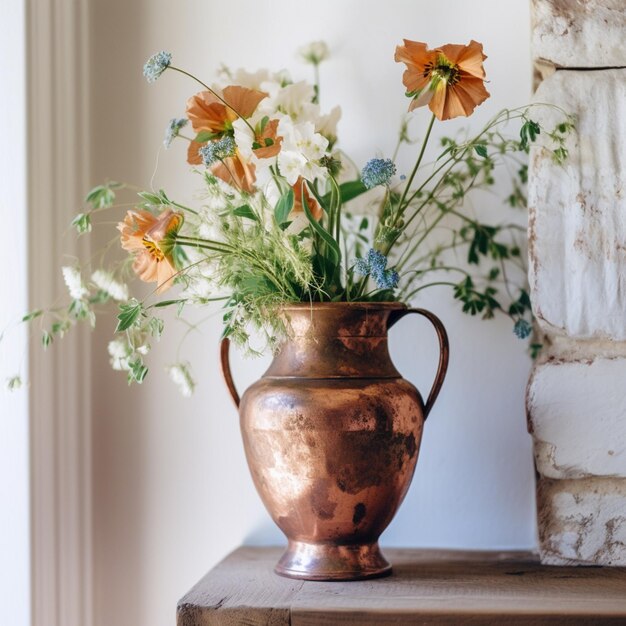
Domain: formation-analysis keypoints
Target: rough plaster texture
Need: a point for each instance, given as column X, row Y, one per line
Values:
column 578, row 210
column 576, row 396
column 579, row 33
column 582, row 522
column 577, row 416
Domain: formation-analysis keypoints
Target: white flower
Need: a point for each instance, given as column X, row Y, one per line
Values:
column 74, row 282
column 292, row 165
column 314, row 52
column 180, row 375
column 326, row 125
column 104, row 280
column 301, row 150
column 294, row 100
column 251, row 80
column 119, row 351
column 244, row 137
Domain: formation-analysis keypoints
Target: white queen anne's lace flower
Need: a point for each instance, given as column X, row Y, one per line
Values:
column 119, row 351
column 181, row 377
column 104, row 280
column 74, row 282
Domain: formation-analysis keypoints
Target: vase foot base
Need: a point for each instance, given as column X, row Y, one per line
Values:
column 314, row 561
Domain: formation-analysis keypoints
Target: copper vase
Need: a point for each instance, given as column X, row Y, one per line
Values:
column 332, row 434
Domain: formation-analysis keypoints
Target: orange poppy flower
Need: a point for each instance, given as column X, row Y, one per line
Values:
column 206, row 112
column 449, row 79
column 311, row 201
column 269, row 135
column 147, row 236
column 193, row 152
column 235, row 171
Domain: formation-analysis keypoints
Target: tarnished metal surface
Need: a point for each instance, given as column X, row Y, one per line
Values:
column 332, row 434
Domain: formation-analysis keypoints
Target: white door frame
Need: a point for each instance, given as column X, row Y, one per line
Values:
column 57, row 54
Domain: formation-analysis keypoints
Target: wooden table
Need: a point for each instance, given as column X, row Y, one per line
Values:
column 426, row 587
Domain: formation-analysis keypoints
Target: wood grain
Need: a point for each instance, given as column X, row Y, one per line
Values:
column 426, row 587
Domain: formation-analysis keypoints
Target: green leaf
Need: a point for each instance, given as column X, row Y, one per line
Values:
column 14, row 383
column 46, row 339
column 268, row 142
column 245, row 211
column 263, row 123
column 32, row 315
column 204, row 135
column 79, row 309
column 102, row 196
column 528, row 133
column 150, row 198
column 347, row 191
column 284, row 206
column 180, row 258
column 129, row 315
column 100, row 297
column 333, row 248
column 494, row 273
column 82, row 223
column 60, row 328
column 155, row 326
column 137, row 372
column 481, row 150
column 164, row 303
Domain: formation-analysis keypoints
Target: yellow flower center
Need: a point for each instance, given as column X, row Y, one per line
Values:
column 443, row 70
column 153, row 249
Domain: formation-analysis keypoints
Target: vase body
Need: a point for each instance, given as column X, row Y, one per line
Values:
column 331, row 435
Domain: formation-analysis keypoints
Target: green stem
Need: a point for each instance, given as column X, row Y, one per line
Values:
column 427, row 285
column 316, row 70
column 409, row 182
column 184, row 208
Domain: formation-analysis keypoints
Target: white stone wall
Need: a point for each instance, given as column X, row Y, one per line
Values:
column 576, row 397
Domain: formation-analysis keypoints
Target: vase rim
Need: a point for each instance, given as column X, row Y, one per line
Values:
column 300, row 306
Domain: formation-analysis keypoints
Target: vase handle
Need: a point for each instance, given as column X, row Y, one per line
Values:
column 226, row 373
column 444, row 351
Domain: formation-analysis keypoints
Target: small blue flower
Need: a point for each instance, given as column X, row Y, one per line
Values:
column 375, row 265
column 376, row 261
column 361, row 266
column 377, row 172
column 173, row 129
column 156, row 65
column 387, row 279
column 522, row 329
column 217, row 150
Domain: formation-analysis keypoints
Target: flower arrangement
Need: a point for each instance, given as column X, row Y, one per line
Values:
column 285, row 216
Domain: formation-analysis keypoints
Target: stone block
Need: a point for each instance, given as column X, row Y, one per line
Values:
column 577, row 417
column 577, row 211
column 579, row 33
column 582, row 522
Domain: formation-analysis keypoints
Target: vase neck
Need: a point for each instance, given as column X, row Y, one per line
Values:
column 336, row 341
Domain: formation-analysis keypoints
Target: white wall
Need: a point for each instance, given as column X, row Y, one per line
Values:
column 14, row 486
column 172, row 492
